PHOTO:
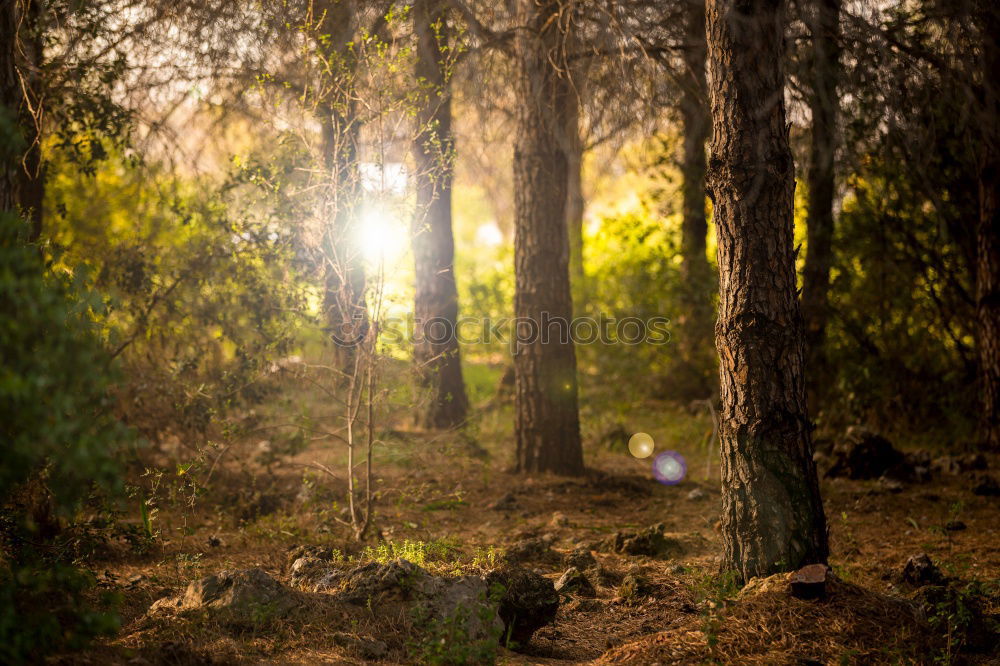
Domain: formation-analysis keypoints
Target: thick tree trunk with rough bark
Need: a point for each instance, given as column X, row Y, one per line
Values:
column 436, row 351
column 694, row 324
column 547, row 424
column 772, row 516
column 21, row 185
column 10, row 98
column 988, row 235
column 823, row 18
column 344, row 274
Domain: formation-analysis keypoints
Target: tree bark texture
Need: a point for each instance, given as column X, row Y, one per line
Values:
column 575, row 203
column 344, row 274
column 694, row 325
column 21, row 185
column 988, row 233
column 547, row 424
column 574, row 197
column 824, row 23
column 772, row 515
column 436, row 350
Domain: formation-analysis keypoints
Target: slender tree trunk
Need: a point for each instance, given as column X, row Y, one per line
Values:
column 21, row 185
column 988, row 234
column 344, row 275
column 695, row 325
column 545, row 387
column 772, row 516
column 436, row 349
column 824, row 23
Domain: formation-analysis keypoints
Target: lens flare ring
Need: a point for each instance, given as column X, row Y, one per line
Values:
column 669, row 468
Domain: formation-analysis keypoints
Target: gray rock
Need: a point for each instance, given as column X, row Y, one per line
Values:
column 529, row 601
column 634, row 586
column 242, row 595
column 920, row 570
column 506, row 503
column 650, row 542
column 315, row 575
column 697, row 494
column 573, row 581
column 581, row 558
column 462, row 599
column 864, row 454
column 985, row 485
column 970, row 462
column 316, row 552
column 537, row 550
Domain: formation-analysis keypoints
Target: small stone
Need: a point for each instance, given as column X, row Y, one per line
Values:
column 986, row 486
column 809, row 582
column 529, row 601
column 506, row 503
column 697, row 494
column 581, row 558
column 573, row 581
column 314, row 574
column 960, row 464
column 864, row 454
column 531, row 550
column 316, row 552
column 920, row 570
column 634, row 586
column 650, row 542
column 890, row 485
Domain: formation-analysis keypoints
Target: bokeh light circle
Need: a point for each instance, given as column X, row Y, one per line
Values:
column 640, row 445
column 669, row 468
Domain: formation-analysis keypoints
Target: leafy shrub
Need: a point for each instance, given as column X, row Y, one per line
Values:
column 60, row 441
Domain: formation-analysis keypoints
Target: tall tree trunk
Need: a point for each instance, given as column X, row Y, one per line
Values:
column 988, row 233
column 547, row 424
column 772, row 516
column 344, row 275
column 824, row 23
column 11, row 100
column 574, row 192
column 21, row 185
column 695, row 325
column 436, row 349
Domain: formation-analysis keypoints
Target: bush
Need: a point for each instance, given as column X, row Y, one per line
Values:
column 60, row 443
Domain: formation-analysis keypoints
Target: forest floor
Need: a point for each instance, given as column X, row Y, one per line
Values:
column 449, row 503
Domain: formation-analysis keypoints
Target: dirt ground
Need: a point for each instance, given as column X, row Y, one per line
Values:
column 449, row 503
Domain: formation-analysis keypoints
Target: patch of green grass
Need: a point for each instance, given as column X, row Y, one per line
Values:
column 446, row 504
column 420, row 553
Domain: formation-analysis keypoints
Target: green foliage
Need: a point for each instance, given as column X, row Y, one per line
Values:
column 44, row 609
column 199, row 302
column 901, row 338
column 446, row 641
column 60, row 440
column 54, row 378
column 633, row 270
column 418, row 552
